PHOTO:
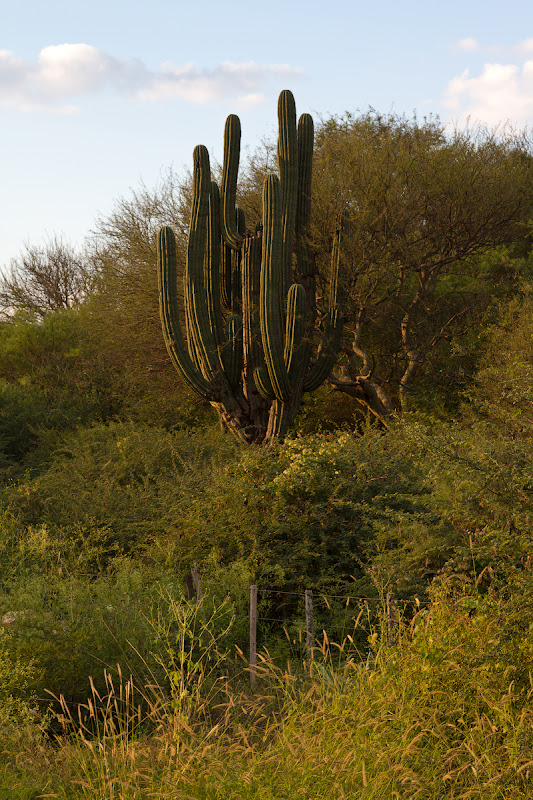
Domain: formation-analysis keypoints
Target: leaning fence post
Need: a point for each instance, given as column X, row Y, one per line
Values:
column 196, row 581
column 309, row 627
column 189, row 583
column 392, row 623
column 206, row 635
column 253, row 635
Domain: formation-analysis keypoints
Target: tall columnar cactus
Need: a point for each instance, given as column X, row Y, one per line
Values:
column 249, row 346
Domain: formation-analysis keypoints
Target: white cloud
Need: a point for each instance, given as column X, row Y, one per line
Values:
column 501, row 93
column 524, row 47
column 469, row 44
column 70, row 71
column 253, row 99
column 203, row 86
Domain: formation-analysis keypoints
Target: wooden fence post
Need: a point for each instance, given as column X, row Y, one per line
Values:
column 253, row 635
column 392, row 622
column 189, row 583
column 309, row 627
column 196, row 581
column 206, row 635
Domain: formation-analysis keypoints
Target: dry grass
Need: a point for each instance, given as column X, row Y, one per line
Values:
column 431, row 719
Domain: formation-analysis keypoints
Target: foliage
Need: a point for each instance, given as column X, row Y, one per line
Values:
column 122, row 313
column 424, row 207
column 111, row 490
column 15, row 677
column 503, row 389
column 22, row 413
column 50, row 365
column 125, row 484
column 311, row 514
column 421, row 508
column 71, row 626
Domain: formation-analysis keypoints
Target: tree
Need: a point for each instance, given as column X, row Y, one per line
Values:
column 123, row 312
column 46, row 279
column 423, row 205
column 418, row 267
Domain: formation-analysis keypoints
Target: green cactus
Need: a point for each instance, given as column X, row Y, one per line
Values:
column 250, row 295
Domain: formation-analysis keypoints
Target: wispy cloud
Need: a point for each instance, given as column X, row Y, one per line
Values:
column 203, row 86
column 67, row 72
column 469, row 44
column 499, row 93
column 525, row 47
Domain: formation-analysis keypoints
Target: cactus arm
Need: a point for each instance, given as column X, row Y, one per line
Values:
column 336, row 250
column 200, row 335
column 236, row 269
column 196, row 246
column 263, row 384
column 296, row 355
column 168, row 306
column 303, row 211
column 288, row 176
column 204, row 315
column 212, row 267
column 225, row 274
column 240, row 219
column 253, row 351
column 251, row 291
column 230, row 169
column 306, row 135
column 272, row 323
column 230, row 269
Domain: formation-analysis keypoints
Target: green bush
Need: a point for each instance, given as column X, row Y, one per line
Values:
column 503, row 390
column 72, row 626
column 127, row 484
column 23, row 413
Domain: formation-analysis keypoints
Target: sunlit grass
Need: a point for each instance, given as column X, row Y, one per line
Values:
column 431, row 717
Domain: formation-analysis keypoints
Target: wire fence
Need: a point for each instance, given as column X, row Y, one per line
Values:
column 289, row 623
column 305, row 616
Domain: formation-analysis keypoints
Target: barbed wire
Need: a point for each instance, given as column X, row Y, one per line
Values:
column 319, row 595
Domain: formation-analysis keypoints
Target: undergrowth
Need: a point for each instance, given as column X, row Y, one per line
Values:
column 434, row 716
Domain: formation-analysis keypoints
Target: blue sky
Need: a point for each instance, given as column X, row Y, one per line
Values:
column 97, row 97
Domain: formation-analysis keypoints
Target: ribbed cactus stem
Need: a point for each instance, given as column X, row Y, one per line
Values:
column 212, row 267
column 201, row 332
column 327, row 352
column 177, row 349
column 272, row 322
column 288, row 176
column 225, row 274
column 230, row 169
column 295, row 335
column 196, row 245
column 251, row 290
column 263, row 383
column 303, row 209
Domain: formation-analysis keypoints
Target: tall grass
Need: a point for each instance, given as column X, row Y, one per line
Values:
column 435, row 716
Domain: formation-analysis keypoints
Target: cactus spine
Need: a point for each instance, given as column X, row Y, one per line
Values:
column 249, row 323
